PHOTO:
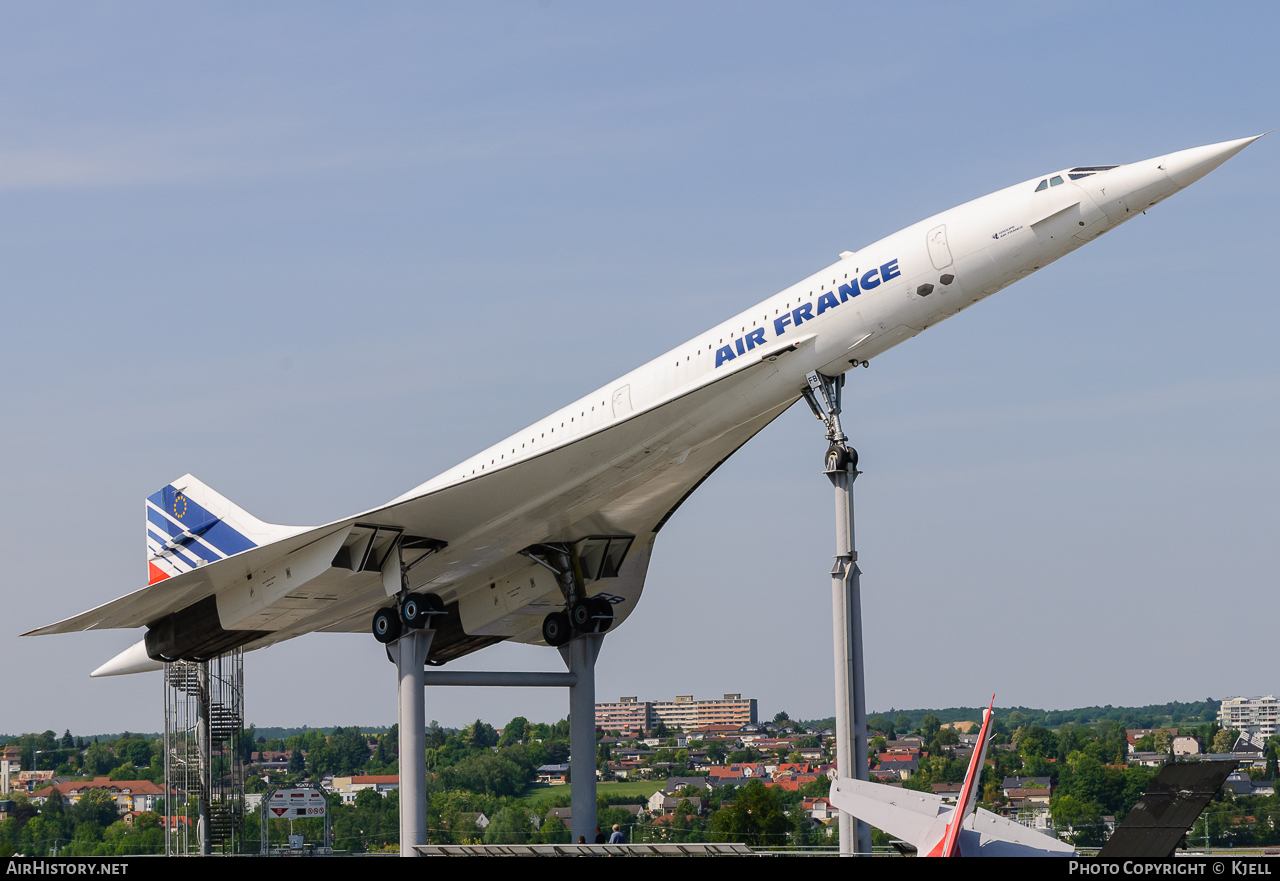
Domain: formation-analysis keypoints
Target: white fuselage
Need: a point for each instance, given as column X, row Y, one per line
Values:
column 984, row 245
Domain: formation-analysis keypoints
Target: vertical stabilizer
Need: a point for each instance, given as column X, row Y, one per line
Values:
column 949, row 846
column 189, row 525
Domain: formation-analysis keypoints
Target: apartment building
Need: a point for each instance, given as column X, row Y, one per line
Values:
column 684, row 712
column 1253, row 715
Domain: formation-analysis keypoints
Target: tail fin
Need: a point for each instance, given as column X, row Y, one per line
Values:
column 949, row 846
column 189, row 525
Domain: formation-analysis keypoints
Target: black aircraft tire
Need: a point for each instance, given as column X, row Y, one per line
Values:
column 413, row 611
column 582, row 616
column 603, row 610
column 386, row 626
column 840, row 457
column 555, row 629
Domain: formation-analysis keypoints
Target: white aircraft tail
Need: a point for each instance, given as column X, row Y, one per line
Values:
column 937, row 829
column 189, row 525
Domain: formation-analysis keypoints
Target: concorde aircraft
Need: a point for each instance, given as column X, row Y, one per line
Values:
column 549, row 533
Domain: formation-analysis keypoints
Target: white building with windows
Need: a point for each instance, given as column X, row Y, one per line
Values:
column 1254, row 715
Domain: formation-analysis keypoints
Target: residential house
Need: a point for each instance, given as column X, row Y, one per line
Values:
column 1187, row 745
column 792, row 782
column 675, row 784
column 129, row 795
column 820, row 809
column 555, row 775
column 349, row 787
column 950, row 792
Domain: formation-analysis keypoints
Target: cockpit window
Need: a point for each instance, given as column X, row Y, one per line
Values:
column 1086, row 170
column 1055, row 180
column 1044, row 185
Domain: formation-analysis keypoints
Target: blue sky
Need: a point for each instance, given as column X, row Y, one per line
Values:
column 317, row 253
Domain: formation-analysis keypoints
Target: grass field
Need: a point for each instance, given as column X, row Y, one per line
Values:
column 640, row 789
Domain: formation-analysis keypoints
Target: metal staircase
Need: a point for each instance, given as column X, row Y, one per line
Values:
column 204, row 769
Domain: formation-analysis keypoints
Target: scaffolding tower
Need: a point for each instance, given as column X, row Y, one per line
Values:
column 203, row 761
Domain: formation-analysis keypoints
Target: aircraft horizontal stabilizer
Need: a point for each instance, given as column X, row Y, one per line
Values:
column 937, row 829
column 920, row 818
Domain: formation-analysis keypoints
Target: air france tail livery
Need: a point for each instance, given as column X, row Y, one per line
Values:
column 548, row 534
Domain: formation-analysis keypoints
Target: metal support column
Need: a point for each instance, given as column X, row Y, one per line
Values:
column 841, row 467
column 580, row 657
column 846, row 612
column 410, row 655
column 204, row 749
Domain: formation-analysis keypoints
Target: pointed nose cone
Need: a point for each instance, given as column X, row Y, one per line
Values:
column 1187, row 166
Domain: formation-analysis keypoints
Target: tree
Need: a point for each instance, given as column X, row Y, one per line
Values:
column 514, row 732
column 96, row 806
column 98, row 759
column 757, row 817
column 781, row 718
column 1083, row 818
column 880, row 723
column 480, row 735
column 1034, row 742
column 1224, row 740
column 929, row 726
column 510, row 825
column 554, row 831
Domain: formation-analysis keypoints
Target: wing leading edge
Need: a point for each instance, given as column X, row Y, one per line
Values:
column 252, row 583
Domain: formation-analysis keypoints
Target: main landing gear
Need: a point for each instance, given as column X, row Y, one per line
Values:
column 592, row 615
column 414, row 612
column 582, row 614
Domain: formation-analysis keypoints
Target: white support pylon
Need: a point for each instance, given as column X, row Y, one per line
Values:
column 410, row 655
column 846, row 616
column 580, row 656
column 841, row 467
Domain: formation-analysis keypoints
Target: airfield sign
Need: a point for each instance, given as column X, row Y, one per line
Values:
column 291, row 804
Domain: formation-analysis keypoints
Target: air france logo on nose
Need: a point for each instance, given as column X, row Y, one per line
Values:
column 870, row 280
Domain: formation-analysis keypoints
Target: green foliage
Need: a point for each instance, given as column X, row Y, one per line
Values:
column 514, row 732
column 554, row 831
column 1082, row 819
column 99, row 759
column 511, row 825
column 756, row 818
column 343, row 753
column 96, row 806
column 488, row 773
column 371, row 823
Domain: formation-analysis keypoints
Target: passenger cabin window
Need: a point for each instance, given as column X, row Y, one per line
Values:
column 1055, row 180
column 1044, row 185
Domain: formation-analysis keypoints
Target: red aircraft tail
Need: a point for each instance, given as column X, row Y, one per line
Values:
column 949, row 846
